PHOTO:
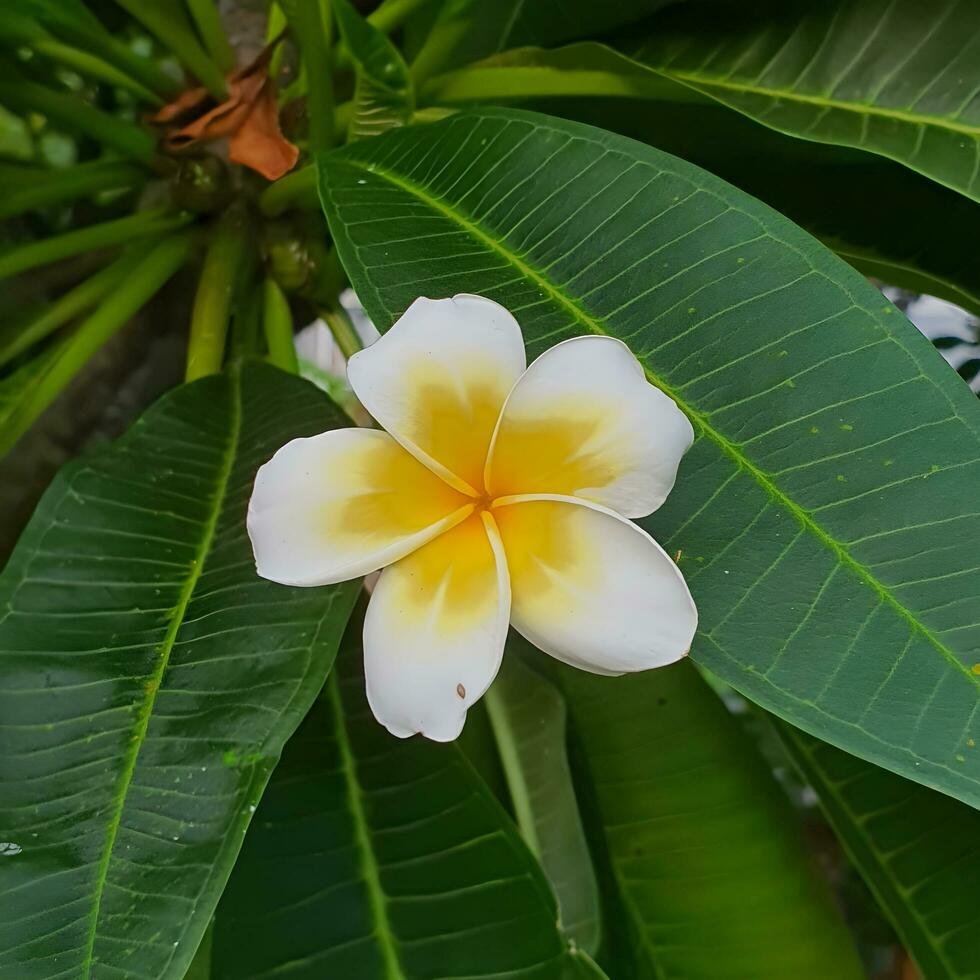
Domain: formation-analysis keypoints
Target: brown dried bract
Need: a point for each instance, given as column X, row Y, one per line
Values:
column 248, row 118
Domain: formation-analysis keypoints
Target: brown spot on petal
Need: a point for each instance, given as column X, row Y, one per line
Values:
column 460, row 690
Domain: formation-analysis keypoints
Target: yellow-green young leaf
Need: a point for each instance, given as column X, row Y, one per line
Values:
column 709, row 862
column 586, row 68
column 383, row 92
column 528, row 717
column 900, row 78
column 379, row 858
column 918, row 851
column 825, row 513
column 148, row 681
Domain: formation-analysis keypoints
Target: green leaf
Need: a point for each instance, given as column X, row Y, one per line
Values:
column 899, row 78
column 705, row 849
column 467, row 30
column 825, row 512
column 586, row 68
column 918, row 851
column 375, row 857
column 528, row 718
column 880, row 217
column 479, row 745
column 383, row 93
column 148, row 681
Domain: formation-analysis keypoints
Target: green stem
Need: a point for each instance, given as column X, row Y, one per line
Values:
column 71, row 112
column 312, row 27
column 274, row 26
column 298, row 187
column 206, row 18
column 444, row 38
column 167, row 21
column 215, row 293
column 93, row 67
column 120, row 306
column 387, row 18
column 343, row 330
column 89, row 35
column 59, row 186
column 393, row 13
column 75, row 301
column 102, row 235
column 277, row 321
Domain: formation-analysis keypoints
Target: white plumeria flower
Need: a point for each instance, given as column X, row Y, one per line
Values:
column 498, row 494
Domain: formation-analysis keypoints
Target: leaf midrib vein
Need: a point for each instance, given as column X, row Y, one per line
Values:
column 371, row 873
column 155, row 681
column 595, row 326
column 823, row 101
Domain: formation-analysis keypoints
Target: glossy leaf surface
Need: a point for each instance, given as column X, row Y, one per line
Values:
column 529, row 721
column 705, row 849
column 823, row 513
column 381, row 859
column 899, row 78
column 880, row 217
column 586, row 68
column 466, row 30
column 148, row 679
column 918, row 851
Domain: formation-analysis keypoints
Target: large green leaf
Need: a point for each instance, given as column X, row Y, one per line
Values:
column 881, row 217
column 900, row 78
column 918, row 851
column 705, row 849
column 528, row 717
column 586, row 68
column 466, row 30
column 148, row 680
column 373, row 857
column 826, row 512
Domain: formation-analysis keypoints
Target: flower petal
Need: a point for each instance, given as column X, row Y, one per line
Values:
column 435, row 629
column 342, row 504
column 593, row 589
column 438, row 378
column 584, row 421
